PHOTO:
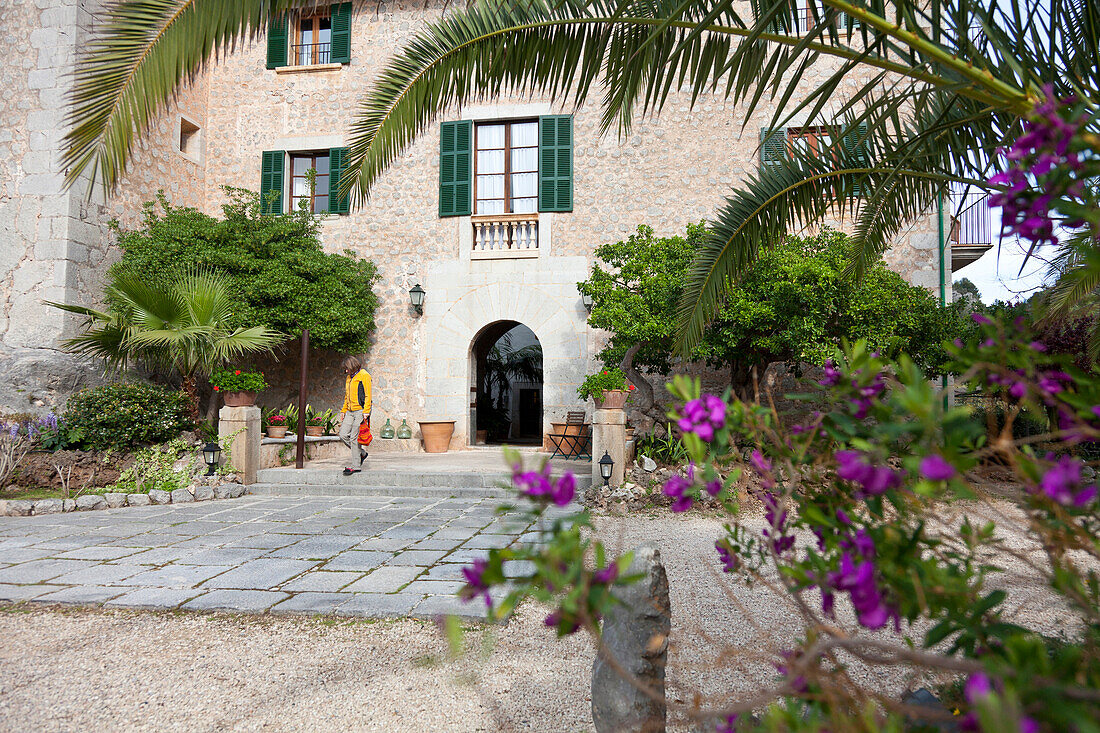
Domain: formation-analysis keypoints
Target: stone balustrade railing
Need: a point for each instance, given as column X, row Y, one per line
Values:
column 505, row 236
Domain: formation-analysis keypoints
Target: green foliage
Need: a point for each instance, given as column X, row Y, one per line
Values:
column 794, row 305
column 666, row 449
column 594, row 385
column 280, row 275
column 238, row 380
column 124, row 416
column 154, row 468
column 181, row 321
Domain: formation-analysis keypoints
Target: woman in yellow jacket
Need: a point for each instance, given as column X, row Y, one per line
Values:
column 357, row 402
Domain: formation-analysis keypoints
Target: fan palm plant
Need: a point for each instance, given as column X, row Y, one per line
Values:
column 944, row 85
column 185, row 326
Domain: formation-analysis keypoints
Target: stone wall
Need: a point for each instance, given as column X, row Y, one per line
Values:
column 56, row 244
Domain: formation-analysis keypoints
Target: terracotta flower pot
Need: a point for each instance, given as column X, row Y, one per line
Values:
column 437, row 435
column 239, row 399
column 315, row 429
column 612, row 399
column 276, row 432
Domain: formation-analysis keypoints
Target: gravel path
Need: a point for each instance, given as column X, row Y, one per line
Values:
column 67, row 669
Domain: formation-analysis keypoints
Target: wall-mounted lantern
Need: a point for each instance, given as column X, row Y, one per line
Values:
column 416, row 297
column 587, row 300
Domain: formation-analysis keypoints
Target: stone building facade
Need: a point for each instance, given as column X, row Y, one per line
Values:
column 668, row 171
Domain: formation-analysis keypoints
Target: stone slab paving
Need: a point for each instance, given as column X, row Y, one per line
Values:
column 371, row 556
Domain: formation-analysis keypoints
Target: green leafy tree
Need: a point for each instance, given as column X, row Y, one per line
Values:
column 794, row 305
column 280, row 275
column 966, row 291
column 184, row 325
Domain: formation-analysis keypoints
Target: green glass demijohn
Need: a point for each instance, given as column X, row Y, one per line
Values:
column 404, row 432
column 387, row 430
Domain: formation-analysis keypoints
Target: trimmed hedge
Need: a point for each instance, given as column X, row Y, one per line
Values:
column 124, row 416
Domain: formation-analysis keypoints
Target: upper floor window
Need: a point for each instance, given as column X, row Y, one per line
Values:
column 807, row 15
column 313, row 38
column 818, row 141
column 313, row 42
column 507, row 168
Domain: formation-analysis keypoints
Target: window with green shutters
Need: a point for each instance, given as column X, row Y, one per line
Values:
column 338, row 204
column 271, row 182
column 455, row 167
column 556, row 163
column 314, row 37
column 515, row 166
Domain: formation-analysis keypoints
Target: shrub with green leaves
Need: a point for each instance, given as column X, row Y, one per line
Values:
column 125, row 416
column 284, row 278
column 594, row 385
column 155, row 468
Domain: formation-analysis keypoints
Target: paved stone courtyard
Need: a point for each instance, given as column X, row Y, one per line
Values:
column 350, row 556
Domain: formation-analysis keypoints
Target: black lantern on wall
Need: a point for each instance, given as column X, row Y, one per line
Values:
column 607, row 465
column 416, row 297
column 586, row 299
column 211, row 455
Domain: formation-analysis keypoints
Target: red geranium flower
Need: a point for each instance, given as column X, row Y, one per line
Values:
column 237, row 372
column 216, row 389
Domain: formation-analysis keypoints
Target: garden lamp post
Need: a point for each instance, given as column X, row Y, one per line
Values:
column 586, row 300
column 607, row 465
column 211, row 454
column 416, row 296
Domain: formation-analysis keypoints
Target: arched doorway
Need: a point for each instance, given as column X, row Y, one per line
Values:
column 506, row 363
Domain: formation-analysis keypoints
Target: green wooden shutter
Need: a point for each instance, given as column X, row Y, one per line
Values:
column 271, row 179
column 341, row 33
column 455, row 167
column 276, row 42
column 556, row 163
column 337, row 161
column 773, row 145
column 855, row 150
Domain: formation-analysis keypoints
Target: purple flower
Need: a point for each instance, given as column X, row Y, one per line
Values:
column 606, row 576
column 564, row 489
column 859, row 582
column 861, row 542
column 1063, row 482
column 776, row 518
column 1027, row 725
column 936, row 468
column 704, row 417
column 832, row 374
column 980, row 319
column 978, row 686
column 764, row 467
column 553, row 620
column 540, row 484
column 676, row 488
column 730, row 562
column 798, row 684
column 475, row 582
column 1038, row 346
column 714, row 488
column 853, row 466
column 727, row 725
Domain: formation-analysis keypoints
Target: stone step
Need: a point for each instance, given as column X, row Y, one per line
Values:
column 382, row 478
column 332, row 489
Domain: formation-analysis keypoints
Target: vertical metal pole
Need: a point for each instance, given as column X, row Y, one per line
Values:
column 303, row 398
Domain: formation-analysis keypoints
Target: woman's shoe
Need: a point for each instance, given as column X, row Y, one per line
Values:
column 350, row 471
column 362, row 455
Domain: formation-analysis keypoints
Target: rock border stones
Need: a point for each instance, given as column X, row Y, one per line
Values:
column 91, row 502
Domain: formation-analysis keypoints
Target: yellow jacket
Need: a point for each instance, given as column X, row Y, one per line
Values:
column 357, row 392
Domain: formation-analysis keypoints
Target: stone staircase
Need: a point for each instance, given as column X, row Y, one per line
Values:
column 472, row 473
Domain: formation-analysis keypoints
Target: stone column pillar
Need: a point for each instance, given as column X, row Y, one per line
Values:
column 244, row 447
column 609, row 434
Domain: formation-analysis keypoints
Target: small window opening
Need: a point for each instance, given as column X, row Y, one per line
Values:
column 189, row 138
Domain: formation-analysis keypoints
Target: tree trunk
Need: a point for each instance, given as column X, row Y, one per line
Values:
column 212, row 408
column 644, row 400
column 189, row 388
column 743, row 376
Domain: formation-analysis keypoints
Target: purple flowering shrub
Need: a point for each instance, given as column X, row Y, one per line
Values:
column 850, row 531
column 560, row 565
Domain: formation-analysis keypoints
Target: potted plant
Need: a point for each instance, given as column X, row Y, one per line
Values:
column 238, row 387
column 276, row 426
column 319, row 423
column 437, row 435
column 607, row 387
